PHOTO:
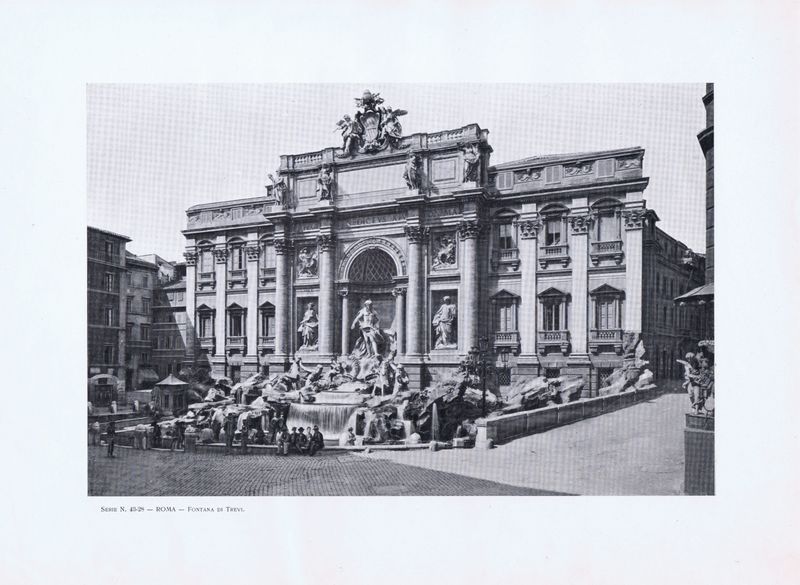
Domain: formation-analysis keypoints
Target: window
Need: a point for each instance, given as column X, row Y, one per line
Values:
column 267, row 323
column 109, row 251
column 506, row 315
column 108, row 354
column 605, row 167
column 553, row 228
column 505, row 180
column 179, row 296
column 235, row 322
column 267, row 256
column 663, row 315
column 206, row 324
column 552, row 174
column 129, row 330
column 552, row 316
column 146, row 306
column 606, row 313
column 145, row 360
column 168, row 342
column 109, row 316
column 109, row 282
column 237, row 258
column 145, row 332
column 505, row 236
column 552, row 372
column 206, row 261
column 145, row 281
column 129, row 305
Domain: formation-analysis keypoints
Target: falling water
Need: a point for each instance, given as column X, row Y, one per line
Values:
column 434, row 423
column 331, row 412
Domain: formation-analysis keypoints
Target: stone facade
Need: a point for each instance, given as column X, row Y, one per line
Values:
column 106, row 315
column 543, row 257
column 142, row 279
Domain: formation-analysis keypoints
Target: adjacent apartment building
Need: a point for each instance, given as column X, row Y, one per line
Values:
column 106, row 314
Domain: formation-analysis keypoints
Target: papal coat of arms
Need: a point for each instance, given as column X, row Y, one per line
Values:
column 374, row 127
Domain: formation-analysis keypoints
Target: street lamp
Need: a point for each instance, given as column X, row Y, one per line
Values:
column 481, row 363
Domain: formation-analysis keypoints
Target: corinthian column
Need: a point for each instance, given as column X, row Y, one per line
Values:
column 528, row 250
column 416, row 290
column 399, row 319
column 283, row 250
column 469, row 231
column 345, row 322
column 327, row 295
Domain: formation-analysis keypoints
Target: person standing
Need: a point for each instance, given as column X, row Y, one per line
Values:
column 111, row 432
column 244, row 437
column 156, row 435
column 94, row 430
column 293, row 439
column 317, row 442
column 230, row 429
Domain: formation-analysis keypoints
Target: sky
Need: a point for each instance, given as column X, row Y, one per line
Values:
column 155, row 150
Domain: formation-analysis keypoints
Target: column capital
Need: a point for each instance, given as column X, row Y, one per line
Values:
column 634, row 218
column 282, row 246
column 343, row 292
column 469, row 229
column 417, row 234
column 221, row 254
column 253, row 250
column 191, row 257
column 398, row 291
column 580, row 224
column 529, row 228
column 326, row 242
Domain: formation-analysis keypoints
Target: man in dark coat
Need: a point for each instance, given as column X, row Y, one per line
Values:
column 273, row 428
column 111, row 432
column 245, row 437
column 317, row 442
column 302, row 441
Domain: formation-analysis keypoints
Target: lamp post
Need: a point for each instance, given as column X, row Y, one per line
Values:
column 482, row 363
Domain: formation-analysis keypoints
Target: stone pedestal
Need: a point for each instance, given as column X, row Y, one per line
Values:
column 698, row 441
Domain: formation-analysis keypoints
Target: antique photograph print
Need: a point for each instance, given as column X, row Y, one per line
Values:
column 403, row 289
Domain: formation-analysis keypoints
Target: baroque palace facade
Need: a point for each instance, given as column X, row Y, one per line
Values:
column 545, row 257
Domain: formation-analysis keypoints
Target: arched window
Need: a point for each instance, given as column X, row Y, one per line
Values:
column 372, row 266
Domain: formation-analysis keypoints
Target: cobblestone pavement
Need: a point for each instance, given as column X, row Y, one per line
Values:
column 157, row 473
column 634, row 451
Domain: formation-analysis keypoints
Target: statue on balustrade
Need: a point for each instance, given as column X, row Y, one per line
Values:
column 325, row 183
column 371, row 339
column 352, row 132
column 444, row 322
column 472, row 160
column 279, row 189
column 445, row 255
column 307, row 262
column 308, row 327
column 411, row 172
column 391, row 129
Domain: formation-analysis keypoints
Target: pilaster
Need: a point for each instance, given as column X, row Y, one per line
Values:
column 417, row 238
column 528, row 230
column 400, row 322
column 252, row 250
column 220, row 266
column 283, row 252
column 634, row 222
column 191, row 302
column 345, row 349
column 580, row 223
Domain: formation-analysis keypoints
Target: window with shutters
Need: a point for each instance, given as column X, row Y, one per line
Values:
column 553, row 174
column 504, row 180
column 605, row 168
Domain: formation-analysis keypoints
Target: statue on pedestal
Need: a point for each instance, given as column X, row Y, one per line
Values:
column 308, row 328
column 472, row 160
column 325, row 183
column 369, row 326
column 279, row 189
column 352, row 131
column 444, row 324
column 411, row 173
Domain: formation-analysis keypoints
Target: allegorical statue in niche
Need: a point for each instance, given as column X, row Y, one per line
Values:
column 324, row 183
column 369, row 326
column 308, row 327
column 307, row 262
column 411, row 172
column 444, row 322
column 279, row 189
column 472, row 159
column 352, row 131
column 445, row 255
